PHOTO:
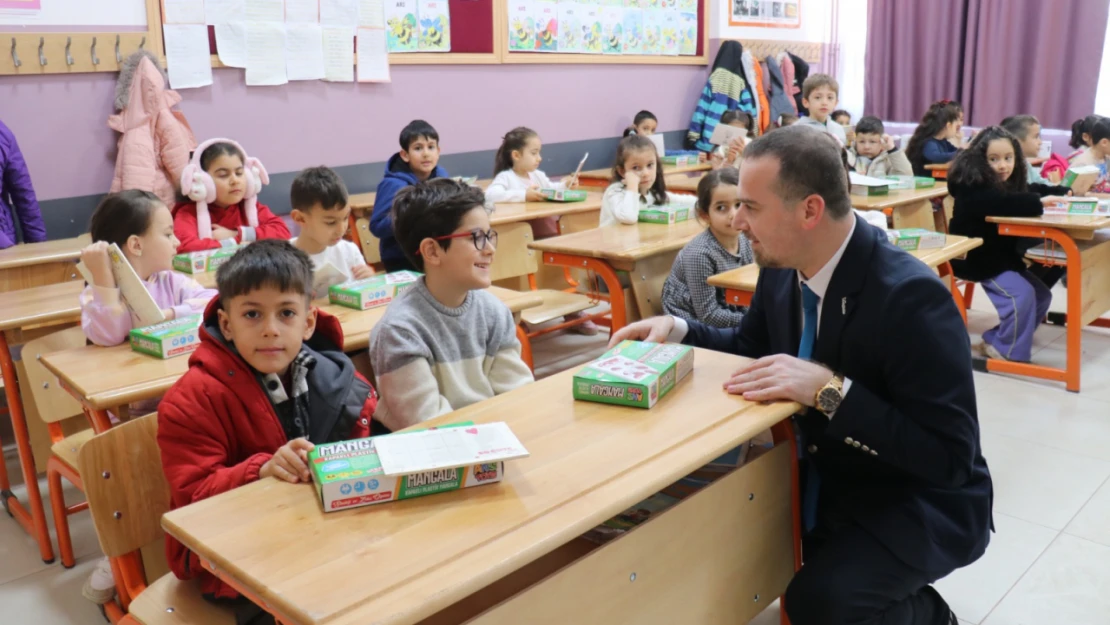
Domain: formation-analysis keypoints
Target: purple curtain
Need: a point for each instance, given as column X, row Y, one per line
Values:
column 1032, row 56
column 914, row 56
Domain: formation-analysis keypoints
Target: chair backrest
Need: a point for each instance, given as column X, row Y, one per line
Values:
column 125, row 486
column 367, row 242
column 513, row 258
column 51, row 400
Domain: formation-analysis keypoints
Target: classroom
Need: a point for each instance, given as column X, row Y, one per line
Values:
column 491, row 312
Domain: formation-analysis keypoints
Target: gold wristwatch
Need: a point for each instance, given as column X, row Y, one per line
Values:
column 830, row 395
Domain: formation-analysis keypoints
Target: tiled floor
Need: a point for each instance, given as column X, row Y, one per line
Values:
column 1048, row 450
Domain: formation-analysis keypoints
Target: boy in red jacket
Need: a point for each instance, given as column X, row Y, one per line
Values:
column 268, row 382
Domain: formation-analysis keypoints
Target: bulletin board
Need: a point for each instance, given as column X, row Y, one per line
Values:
column 765, row 13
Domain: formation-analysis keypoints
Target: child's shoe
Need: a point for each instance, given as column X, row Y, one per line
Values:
column 101, row 585
column 588, row 328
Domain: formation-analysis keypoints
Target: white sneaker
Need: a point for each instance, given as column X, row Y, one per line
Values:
column 990, row 351
column 101, row 585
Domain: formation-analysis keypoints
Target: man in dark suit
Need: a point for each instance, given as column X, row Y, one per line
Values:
column 868, row 340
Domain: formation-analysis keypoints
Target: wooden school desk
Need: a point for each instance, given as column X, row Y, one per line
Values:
column 645, row 251
column 908, row 208
column 601, row 178
column 739, row 284
column 1088, row 271
column 25, row 315
column 686, row 182
column 107, row 378
column 36, row 264
column 721, row 555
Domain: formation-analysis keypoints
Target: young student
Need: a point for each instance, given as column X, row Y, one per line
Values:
column 1098, row 154
column 1027, row 129
column 221, row 174
column 268, row 382
column 17, row 195
column 644, row 123
column 987, row 180
column 720, row 248
column 819, row 95
column 874, row 153
column 417, row 161
column 730, row 155
column 141, row 225
column 932, row 140
column 445, row 343
column 319, row 200
column 637, row 182
column 844, row 118
column 518, row 179
column 1081, row 134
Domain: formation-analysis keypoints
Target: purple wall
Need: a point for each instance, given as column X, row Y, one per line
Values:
column 60, row 121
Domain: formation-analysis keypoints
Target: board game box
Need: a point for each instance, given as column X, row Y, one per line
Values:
column 910, row 182
column 1076, row 206
column 203, row 262
column 1080, row 178
column 911, row 239
column 634, row 373
column 666, row 214
column 167, row 339
column 372, row 292
column 564, row 195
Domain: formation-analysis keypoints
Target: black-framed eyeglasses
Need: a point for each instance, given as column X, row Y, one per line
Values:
column 479, row 237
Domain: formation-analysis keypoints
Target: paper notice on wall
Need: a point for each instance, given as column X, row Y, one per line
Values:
column 591, row 28
column 653, row 31
column 688, row 33
column 669, row 32
column 402, row 32
column 266, row 54
column 302, row 11
column 339, row 13
column 633, row 30
column 570, row 27
column 184, row 11
column 373, row 55
column 224, row 11
column 231, row 43
column 371, row 14
column 339, row 54
column 188, row 61
column 435, row 25
column 304, row 51
column 547, row 26
column 265, row 10
column 522, row 29
column 612, row 29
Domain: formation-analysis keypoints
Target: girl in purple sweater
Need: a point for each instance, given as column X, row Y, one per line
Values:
column 17, row 196
column 141, row 225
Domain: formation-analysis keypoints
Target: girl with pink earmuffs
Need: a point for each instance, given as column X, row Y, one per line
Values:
column 221, row 184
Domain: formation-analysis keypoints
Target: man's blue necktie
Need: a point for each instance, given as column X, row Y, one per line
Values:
column 805, row 351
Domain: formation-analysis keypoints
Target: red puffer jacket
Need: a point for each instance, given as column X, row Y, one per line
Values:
column 217, row 427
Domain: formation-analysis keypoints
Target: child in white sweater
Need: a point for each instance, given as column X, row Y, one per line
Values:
column 637, row 183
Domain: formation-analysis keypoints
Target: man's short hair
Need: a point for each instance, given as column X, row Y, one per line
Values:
column 819, row 80
column 431, row 209
column 269, row 262
column 417, row 129
column 1019, row 125
column 809, row 163
column 870, row 125
column 318, row 185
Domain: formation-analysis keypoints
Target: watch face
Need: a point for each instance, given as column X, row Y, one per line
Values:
column 828, row 400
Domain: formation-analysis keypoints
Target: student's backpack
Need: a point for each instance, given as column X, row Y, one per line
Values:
column 1055, row 168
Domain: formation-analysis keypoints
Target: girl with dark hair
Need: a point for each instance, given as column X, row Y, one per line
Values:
column 931, row 141
column 637, row 183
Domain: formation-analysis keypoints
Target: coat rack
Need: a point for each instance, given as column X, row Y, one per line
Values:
column 808, row 51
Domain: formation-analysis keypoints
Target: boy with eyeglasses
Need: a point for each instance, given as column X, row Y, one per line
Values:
column 446, row 342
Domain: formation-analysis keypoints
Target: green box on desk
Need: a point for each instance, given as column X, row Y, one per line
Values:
column 203, row 262
column 167, row 339
column 634, row 373
column 665, row 214
column 910, row 182
column 1074, row 206
column 912, row 239
column 372, row 292
column 563, row 195
column 683, row 160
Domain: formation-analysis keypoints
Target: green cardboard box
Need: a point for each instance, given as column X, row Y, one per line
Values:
column 372, row 292
column 564, row 195
column 349, row 474
column 911, row 239
column 634, row 373
column 1074, row 206
column 911, row 182
column 1081, row 177
column 682, row 160
column 203, row 262
column 666, row 214
column 167, row 339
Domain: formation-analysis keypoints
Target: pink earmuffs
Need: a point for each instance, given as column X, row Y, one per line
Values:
column 198, row 186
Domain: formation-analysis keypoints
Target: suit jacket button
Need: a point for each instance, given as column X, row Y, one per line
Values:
column 864, row 448
column 856, row 444
column 874, row 453
column 848, row 440
column 812, row 449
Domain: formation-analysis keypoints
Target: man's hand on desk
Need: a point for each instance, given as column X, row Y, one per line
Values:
column 779, row 377
column 654, row 330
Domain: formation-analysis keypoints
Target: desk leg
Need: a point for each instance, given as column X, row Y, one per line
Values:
column 617, row 312
column 736, row 297
column 782, row 433
column 916, row 215
column 34, row 520
column 945, row 269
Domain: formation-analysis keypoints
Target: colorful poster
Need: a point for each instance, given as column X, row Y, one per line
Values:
column 635, row 4
column 633, row 31
column 547, row 26
column 612, row 29
column 400, row 24
column 570, row 26
column 591, row 29
column 435, row 25
column 669, row 32
column 522, row 33
column 766, row 13
column 668, row 4
column 688, row 5
column 688, row 33
column 653, row 31
column 651, row 4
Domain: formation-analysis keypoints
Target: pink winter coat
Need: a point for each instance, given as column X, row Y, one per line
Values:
column 155, row 140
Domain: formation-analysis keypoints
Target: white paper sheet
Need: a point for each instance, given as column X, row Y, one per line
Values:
column 265, row 10
column 307, row 11
column 231, row 43
column 373, row 57
column 304, row 51
column 371, row 13
column 224, row 11
column 188, row 61
column 339, row 13
column 339, row 54
column 446, row 448
column 266, row 54
column 184, row 11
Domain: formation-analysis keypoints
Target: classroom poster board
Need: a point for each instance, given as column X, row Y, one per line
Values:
column 766, row 13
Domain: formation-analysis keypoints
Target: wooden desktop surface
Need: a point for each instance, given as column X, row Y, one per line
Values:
column 41, row 305
column 513, row 212
column 400, row 562
column 607, row 172
column 47, row 252
column 899, row 197
column 1077, row 226
column 623, row 243
column 686, row 182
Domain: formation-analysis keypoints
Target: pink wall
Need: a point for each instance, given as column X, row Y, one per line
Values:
column 61, row 121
